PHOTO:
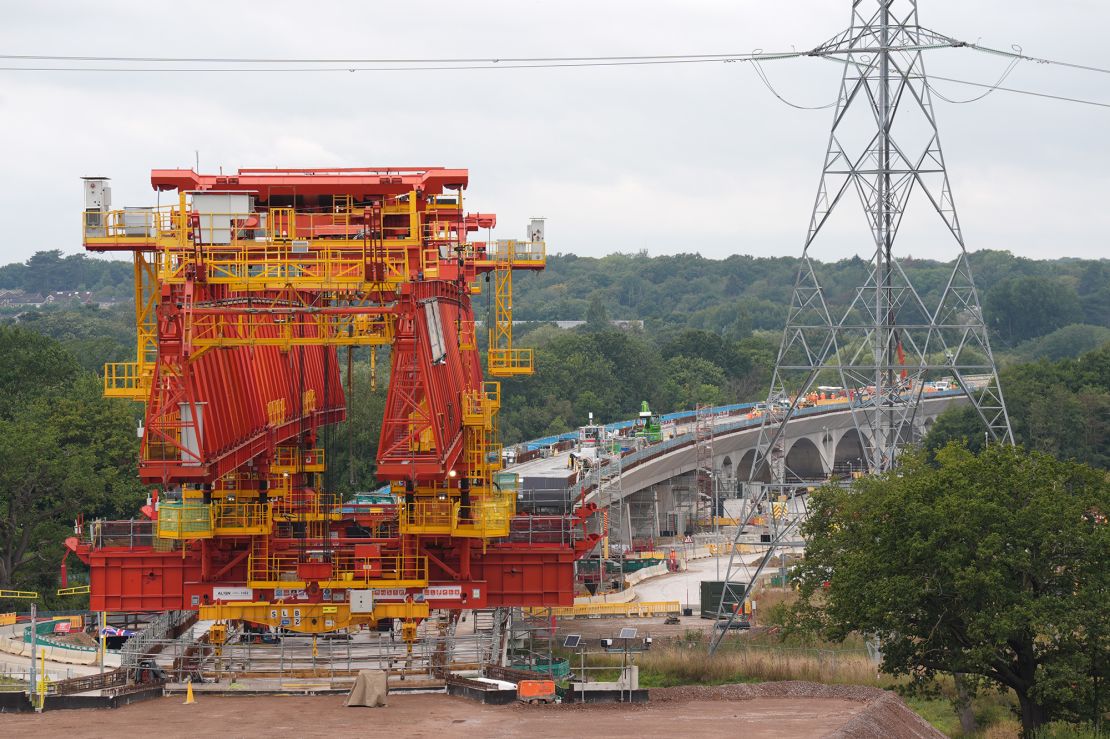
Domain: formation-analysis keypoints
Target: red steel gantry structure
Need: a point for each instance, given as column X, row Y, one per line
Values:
column 245, row 287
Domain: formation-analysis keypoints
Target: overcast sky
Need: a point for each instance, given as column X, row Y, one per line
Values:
column 683, row 158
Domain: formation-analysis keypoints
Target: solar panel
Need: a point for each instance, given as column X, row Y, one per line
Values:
column 628, row 633
column 572, row 641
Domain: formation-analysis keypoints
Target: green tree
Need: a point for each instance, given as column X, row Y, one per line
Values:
column 352, row 446
column 710, row 347
column 64, row 450
column 1069, row 341
column 92, row 335
column 1062, row 408
column 1024, row 308
column 689, row 381
column 990, row 566
column 30, row 365
column 68, row 451
column 597, row 317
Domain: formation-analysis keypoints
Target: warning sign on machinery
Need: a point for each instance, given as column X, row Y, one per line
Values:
column 432, row 592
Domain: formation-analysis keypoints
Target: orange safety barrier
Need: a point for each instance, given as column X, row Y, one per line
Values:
column 531, row 691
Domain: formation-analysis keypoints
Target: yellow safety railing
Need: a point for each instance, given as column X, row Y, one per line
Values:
column 316, row 264
column 235, row 518
column 483, row 455
column 429, row 517
column 429, row 263
column 7, row 619
column 489, row 515
column 525, row 252
column 716, row 549
column 342, row 572
column 480, row 406
column 20, row 594
column 75, row 590
column 719, row 521
column 492, row 391
column 511, row 361
column 268, row 227
column 126, row 380
column 234, row 483
column 475, row 411
column 292, row 459
column 185, row 520
column 280, row 486
column 130, row 226
column 288, row 330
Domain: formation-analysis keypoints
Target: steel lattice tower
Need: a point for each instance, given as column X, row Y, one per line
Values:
column 884, row 145
column 887, row 342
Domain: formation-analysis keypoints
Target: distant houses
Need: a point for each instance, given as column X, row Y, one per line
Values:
column 23, row 299
column 617, row 323
column 13, row 298
column 623, row 325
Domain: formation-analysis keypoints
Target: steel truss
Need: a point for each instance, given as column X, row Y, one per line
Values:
column 888, row 343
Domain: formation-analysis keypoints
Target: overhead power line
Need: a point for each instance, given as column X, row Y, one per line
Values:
column 249, row 65
column 291, row 60
column 132, row 64
column 1002, row 78
column 1019, row 55
column 767, row 83
column 1033, row 93
column 1015, row 56
column 396, row 65
column 483, row 61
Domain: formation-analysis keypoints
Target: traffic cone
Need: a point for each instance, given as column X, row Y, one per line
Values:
column 189, row 699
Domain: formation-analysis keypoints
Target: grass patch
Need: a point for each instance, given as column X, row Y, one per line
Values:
column 938, row 712
column 994, row 712
column 1061, row 730
column 685, row 662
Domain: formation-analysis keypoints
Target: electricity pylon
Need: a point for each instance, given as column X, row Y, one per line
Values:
column 883, row 348
column 887, row 343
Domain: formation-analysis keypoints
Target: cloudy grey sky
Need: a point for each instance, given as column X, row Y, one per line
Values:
column 684, row 158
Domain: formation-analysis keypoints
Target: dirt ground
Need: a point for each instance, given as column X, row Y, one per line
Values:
column 710, row 712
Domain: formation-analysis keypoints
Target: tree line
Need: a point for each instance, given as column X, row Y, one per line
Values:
column 1023, row 299
column 51, row 271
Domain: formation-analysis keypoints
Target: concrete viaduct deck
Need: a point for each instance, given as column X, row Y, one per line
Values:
column 658, row 480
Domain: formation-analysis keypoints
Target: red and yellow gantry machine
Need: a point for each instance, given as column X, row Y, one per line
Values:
column 246, row 285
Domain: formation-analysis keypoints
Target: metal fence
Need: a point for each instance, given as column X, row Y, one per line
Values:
column 335, row 658
column 157, row 632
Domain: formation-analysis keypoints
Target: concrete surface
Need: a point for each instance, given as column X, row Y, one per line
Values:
column 685, row 587
column 441, row 716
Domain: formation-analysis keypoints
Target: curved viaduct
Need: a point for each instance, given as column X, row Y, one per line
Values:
column 657, row 482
